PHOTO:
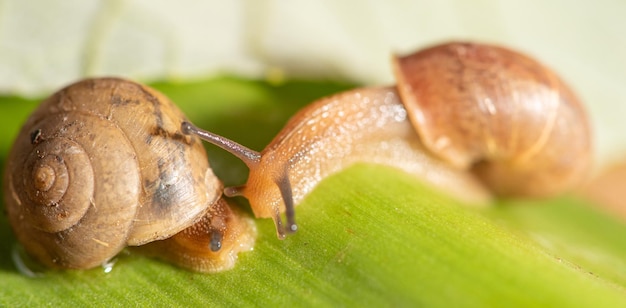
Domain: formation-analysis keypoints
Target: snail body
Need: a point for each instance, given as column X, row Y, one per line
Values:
column 486, row 120
column 101, row 165
column 194, row 248
column 367, row 125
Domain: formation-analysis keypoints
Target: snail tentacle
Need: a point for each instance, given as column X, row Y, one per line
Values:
column 248, row 156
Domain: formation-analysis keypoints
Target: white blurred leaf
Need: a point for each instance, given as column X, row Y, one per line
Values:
column 48, row 43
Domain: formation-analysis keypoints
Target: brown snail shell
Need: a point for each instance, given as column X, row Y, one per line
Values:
column 100, row 165
column 504, row 115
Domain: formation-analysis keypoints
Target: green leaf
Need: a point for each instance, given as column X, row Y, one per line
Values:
column 368, row 236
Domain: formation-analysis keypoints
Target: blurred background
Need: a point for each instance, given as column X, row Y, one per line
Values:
column 182, row 46
column 47, row 44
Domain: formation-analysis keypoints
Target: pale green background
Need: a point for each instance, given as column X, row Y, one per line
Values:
column 46, row 44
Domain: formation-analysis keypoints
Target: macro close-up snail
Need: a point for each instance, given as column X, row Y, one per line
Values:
column 102, row 165
column 108, row 163
column 507, row 119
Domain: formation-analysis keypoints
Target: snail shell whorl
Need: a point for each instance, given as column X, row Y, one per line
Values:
column 101, row 165
column 505, row 115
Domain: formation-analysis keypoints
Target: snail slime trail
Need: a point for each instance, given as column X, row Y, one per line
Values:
column 101, row 165
column 474, row 120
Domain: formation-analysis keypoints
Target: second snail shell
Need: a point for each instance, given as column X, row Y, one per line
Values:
column 510, row 119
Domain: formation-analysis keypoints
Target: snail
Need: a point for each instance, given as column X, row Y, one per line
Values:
column 101, row 165
column 473, row 119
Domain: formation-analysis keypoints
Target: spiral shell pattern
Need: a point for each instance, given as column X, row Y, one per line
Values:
column 101, row 165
